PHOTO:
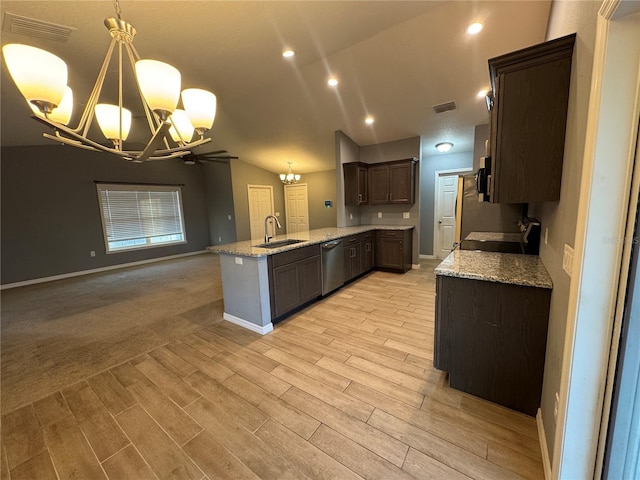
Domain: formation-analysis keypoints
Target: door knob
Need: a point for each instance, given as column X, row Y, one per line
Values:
column 440, row 221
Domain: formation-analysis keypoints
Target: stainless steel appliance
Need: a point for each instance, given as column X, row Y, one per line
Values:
column 332, row 266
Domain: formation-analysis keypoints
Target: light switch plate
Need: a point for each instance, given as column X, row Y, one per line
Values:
column 379, row 214
column 228, row 217
column 406, row 215
column 238, row 260
column 277, row 214
column 567, row 259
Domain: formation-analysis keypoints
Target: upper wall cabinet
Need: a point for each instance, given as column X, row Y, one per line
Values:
column 380, row 183
column 355, row 183
column 528, row 122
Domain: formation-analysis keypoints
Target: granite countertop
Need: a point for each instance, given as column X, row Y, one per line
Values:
column 494, row 237
column 312, row 237
column 515, row 269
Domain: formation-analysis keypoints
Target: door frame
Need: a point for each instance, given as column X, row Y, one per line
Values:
column 273, row 206
column 286, row 207
column 599, row 268
column 437, row 174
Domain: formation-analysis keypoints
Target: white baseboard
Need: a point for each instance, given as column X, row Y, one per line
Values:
column 427, row 257
column 95, row 270
column 248, row 325
column 546, row 461
column 415, row 266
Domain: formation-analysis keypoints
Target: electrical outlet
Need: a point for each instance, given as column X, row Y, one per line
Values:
column 351, row 216
column 546, row 235
column 379, row 214
column 238, row 260
column 219, row 239
column 92, row 253
column 555, row 406
column 567, row 259
column 228, row 217
column 406, row 215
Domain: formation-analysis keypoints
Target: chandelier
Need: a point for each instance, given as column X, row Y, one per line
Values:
column 41, row 78
column 289, row 177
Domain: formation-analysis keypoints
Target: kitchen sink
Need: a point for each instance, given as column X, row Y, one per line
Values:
column 279, row 243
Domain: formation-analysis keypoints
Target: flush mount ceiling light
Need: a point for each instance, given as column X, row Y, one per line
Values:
column 289, row 177
column 288, row 53
column 474, row 28
column 369, row 120
column 444, row 147
column 41, row 77
column 333, row 81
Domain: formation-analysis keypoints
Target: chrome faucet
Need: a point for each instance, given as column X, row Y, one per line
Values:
column 267, row 237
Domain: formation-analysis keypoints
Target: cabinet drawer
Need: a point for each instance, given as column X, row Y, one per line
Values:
column 390, row 233
column 294, row 255
column 350, row 240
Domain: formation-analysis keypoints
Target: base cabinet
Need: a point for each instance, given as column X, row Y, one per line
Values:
column 393, row 249
column 491, row 337
column 294, row 279
column 358, row 254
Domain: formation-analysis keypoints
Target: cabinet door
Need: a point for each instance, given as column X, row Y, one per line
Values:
column 378, row 184
column 352, row 264
column 285, row 288
column 310, row 283
column 389, row 253
column 367, row 255
column 363, row 185
column 401, row 182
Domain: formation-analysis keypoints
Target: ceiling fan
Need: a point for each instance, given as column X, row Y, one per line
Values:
column 220, row 156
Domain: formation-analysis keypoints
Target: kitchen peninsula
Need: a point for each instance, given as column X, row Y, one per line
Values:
column 492, row 311
column 261, row 285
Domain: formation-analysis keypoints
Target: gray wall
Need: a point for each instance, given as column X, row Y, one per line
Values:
column 428, row 168
column 50, row 214
column 561, row 217
column 346, row 151
column 480, row 135
column 243, row 174
column 321, row 186
column 219, row 198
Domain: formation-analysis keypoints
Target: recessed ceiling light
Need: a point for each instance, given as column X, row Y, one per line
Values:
column 288, row 53
column 333, row 81
column 369, row 120
column 474, row 28
column 444, row 147
column 482, row 93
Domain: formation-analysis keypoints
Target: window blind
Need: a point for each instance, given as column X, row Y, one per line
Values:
column 140, row 216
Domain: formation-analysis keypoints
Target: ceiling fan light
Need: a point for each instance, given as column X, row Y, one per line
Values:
column 181, row 129
column 200, row 106
column 160, row 85
column 40, row 76
column 108, row 117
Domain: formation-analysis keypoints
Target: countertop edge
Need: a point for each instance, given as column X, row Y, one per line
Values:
column 245, row 248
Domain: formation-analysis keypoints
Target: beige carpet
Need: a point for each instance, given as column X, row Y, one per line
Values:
column 58, row 333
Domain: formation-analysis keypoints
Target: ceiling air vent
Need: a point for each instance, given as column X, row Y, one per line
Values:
column 444, row 107
column 32, row 27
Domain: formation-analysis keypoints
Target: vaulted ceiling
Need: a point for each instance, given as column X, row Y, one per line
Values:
column 394, row 60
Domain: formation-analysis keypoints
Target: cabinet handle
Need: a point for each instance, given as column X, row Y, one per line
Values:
column 387, row 197
column 391, row 196
column 367, row 247
column 353, row 253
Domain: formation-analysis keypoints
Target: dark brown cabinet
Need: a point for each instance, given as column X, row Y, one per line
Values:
column 356, row 183
column 294, row 279
column 528, row 114
column 491, row 337
column 392, row 182
column 393, row 249
column 358, row 255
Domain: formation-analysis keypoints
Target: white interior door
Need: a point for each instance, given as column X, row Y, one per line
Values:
column 445, row 215
column 297, row 208
column 260, row 205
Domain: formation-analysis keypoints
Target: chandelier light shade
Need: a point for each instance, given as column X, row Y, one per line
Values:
column 62, row 113
column 181, row 128
column 289, row 177
column 109, row 118
column 160, row 85
column 200, row 106
column 40, row 76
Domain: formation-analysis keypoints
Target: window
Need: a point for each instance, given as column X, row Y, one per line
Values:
column 140, row 216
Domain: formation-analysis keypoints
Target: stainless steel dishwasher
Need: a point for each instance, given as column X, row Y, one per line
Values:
column 332, row 266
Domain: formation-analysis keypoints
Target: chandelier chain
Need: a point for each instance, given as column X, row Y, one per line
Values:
column 116, row 5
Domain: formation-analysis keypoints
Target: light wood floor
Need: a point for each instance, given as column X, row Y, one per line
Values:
column 344, row 389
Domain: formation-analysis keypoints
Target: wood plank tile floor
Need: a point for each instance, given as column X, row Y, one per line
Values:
column 343, row 389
